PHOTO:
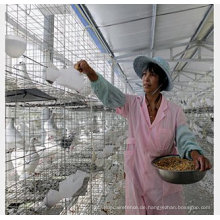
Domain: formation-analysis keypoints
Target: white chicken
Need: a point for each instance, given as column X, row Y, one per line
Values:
column 24, row 76
column 13, row 136
column 24, row 130
column 13, row 140
column 51, row 129
column 25, row 163
column 48, row 153
column 51, row 139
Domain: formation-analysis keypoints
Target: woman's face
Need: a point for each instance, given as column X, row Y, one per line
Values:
column 150, row 81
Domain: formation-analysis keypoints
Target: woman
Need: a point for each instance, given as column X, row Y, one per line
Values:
column 156, row 127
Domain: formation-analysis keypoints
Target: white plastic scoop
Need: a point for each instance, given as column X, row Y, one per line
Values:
column 71, row 79
column 52, row 73
column 52, row 198
column 69, row 186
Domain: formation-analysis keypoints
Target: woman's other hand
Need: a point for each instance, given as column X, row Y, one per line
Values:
column 200, row 161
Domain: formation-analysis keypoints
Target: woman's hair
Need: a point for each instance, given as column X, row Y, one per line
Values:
column 152, row 67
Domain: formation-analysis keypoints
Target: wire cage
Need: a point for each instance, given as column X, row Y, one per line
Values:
column 57, row 137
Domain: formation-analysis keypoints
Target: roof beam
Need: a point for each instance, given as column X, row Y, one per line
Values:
column 159, row 47
column 193, row 72
column 153, row 27
column 133, row 51
column 174, row 60
column 198, row 35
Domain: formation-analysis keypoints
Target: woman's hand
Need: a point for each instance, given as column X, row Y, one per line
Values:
column 83, row 67
column 201, row 162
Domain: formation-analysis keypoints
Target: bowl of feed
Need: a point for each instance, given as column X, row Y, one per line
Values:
column 174, row 169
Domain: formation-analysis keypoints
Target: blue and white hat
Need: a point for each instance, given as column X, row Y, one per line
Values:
column 141, row 63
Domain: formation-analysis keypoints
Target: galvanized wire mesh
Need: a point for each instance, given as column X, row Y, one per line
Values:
column 71, row 132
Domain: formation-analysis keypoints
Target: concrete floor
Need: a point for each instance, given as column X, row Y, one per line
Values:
column 201, row 194
column 197, row 198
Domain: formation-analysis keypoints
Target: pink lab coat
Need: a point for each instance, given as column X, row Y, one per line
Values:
column 145, row 191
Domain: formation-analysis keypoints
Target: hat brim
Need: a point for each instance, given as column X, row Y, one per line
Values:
column 141, row 63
